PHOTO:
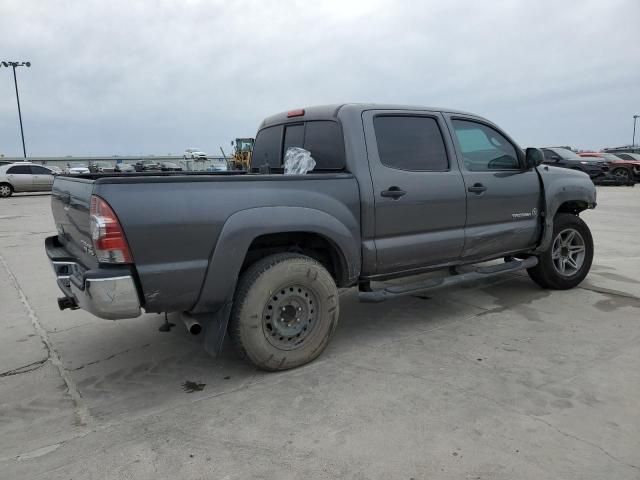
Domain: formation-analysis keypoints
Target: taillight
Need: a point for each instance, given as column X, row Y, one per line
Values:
column 108, row 237
column 295, row 113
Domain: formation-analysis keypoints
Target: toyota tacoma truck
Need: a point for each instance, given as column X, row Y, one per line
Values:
column 396, row 191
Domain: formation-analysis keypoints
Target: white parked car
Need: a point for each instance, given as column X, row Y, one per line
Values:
column 194, row 154
column 77, row 169
column 24, row 177
column 54, row 168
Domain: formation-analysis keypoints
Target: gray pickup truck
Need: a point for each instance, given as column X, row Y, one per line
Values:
column 396, row 191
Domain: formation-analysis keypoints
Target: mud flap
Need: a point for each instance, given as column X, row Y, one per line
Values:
column 215, row 328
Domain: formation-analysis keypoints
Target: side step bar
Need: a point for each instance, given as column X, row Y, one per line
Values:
column 477, row 273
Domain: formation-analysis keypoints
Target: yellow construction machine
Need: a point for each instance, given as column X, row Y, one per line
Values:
column 242, row 150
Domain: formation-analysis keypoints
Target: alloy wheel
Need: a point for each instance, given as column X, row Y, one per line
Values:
column 568, row 252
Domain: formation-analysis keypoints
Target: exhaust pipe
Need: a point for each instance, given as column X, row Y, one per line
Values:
column 193, row 325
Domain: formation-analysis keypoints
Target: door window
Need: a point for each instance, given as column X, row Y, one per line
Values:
column 484, row 148
column 40, row 170
column 20, row 169
column 410, row 143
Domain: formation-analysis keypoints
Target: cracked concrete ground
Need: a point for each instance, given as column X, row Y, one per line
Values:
column 497, row 380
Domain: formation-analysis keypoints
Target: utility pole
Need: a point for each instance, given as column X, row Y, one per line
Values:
column 633, row 142
column 15, row 82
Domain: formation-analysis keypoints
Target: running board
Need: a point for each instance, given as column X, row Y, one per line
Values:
column 477, row 273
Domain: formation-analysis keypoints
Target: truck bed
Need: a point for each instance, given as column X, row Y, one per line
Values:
column 172, row 220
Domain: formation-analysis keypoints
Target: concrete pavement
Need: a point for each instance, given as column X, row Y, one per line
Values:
column 498, row 380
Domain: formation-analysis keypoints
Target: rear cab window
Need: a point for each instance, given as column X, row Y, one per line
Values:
column 322, row 138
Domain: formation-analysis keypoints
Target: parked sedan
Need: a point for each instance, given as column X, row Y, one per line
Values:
column 147, row 166
column 562, row 157
column 24, row 177
column 170, row 167
column 628, row 170
column 125, row 168
column 101, row 167
column 628, row 156
column 76, row 168
column 194, row 154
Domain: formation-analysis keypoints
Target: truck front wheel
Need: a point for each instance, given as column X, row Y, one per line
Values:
column 568, row 261
column 284, row 312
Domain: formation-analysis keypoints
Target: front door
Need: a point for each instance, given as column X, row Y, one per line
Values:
column 419, row 193
column 503, row 198
column 42, row 178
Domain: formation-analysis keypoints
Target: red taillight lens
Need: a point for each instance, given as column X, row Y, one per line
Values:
column 108, row 238
column 295, row 113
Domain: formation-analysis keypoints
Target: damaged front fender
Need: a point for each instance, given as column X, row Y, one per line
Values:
column 565, row 190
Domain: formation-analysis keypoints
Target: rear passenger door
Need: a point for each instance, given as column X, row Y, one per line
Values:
column 503, row 198
column 419, row 193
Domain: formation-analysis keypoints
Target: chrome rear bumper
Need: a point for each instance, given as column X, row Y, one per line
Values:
column 104, row 293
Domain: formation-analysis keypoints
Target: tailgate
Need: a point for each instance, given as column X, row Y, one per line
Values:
column 70, row 202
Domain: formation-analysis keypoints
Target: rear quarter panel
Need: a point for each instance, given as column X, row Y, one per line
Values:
column 174, row 224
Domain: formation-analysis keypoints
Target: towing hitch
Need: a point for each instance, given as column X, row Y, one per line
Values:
column 66, row 302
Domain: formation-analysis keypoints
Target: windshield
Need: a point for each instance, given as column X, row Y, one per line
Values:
column 567, row 154
column 610, row 156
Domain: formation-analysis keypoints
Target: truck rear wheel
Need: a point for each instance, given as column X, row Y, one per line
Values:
column 284, row 312
column 568, row 260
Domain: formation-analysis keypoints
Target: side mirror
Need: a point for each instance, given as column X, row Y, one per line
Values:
column 533, row 158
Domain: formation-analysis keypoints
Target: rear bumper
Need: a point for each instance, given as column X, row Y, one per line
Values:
column 108, row 293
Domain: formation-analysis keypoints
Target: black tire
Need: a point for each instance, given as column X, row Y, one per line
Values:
column 547, row 274
column 622, row 173
column 6, row 190
column 284, row 312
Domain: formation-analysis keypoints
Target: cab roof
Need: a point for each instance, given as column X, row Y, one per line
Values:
column 330, row 112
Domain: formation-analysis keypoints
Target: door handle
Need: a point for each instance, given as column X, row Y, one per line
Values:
column 477, row 188
column 393, row 192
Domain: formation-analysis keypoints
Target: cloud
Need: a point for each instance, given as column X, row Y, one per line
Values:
column 156, row 77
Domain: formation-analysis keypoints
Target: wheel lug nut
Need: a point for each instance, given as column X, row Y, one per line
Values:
column 288, row 324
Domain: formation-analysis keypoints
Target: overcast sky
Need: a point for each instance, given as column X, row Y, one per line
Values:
column 131, row 77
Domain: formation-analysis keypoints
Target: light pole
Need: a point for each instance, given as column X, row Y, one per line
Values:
column 633, row 142
column 15, row 82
